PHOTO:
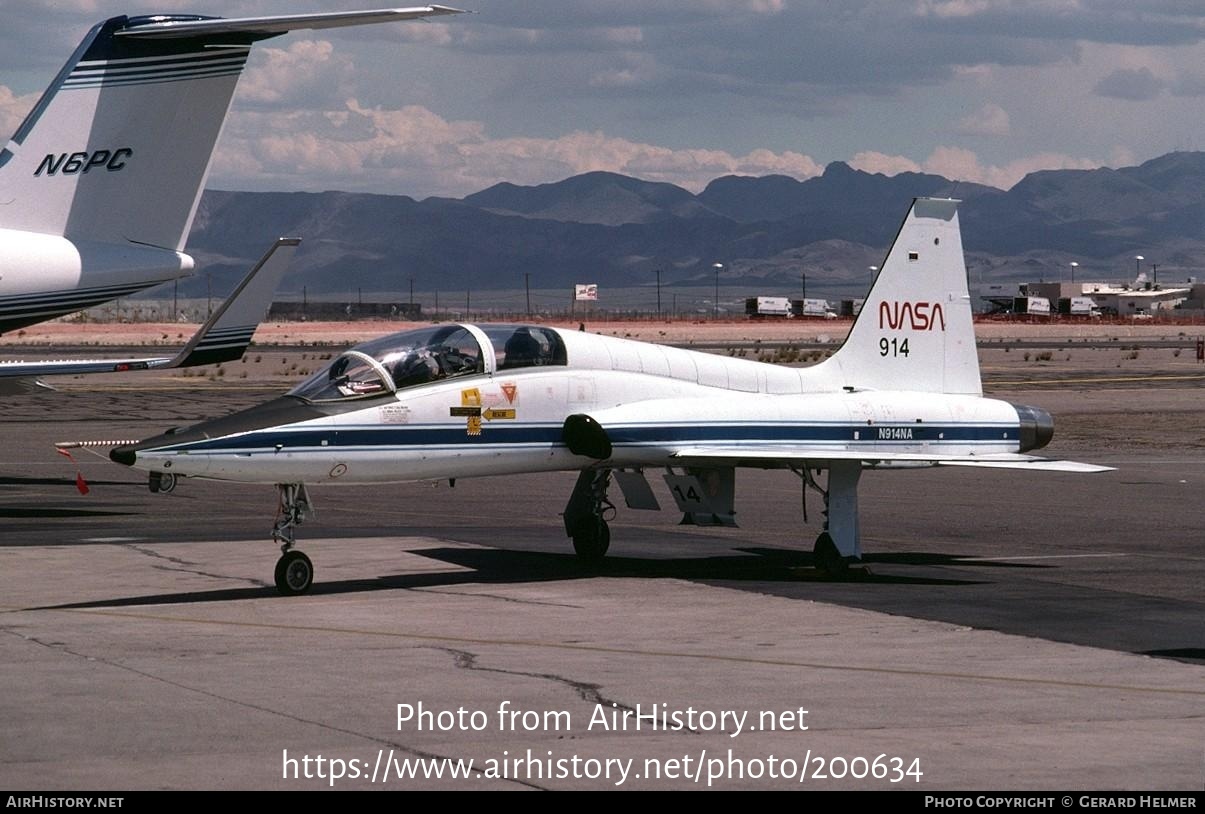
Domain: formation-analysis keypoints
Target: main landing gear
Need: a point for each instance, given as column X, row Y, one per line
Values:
column 294, row 571
column 587, row 513
column 161, row 482
column 838, row 550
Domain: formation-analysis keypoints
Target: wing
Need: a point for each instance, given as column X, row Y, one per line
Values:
column 224, row 337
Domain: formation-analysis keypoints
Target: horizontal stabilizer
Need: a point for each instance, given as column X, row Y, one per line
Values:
column 261, row 27
column 1036, row 465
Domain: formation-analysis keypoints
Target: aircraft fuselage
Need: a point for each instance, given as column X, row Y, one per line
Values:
column 45, row 276
column 513, row 421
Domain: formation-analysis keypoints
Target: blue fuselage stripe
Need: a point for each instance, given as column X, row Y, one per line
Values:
column 402, row 437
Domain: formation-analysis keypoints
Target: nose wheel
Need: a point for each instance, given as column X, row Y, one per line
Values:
column 294, row 573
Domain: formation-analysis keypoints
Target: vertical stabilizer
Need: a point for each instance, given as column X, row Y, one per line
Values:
column 119, row 146
column 915, row 330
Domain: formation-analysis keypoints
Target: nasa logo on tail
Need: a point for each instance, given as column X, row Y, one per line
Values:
column 916, row 316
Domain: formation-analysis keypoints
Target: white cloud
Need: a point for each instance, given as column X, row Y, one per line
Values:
column 308, row 73
column 417, row 152
column 738, row 6
column 429, row 33
column 13, row 110
column 960, row 164
column 951, row 8
column 989, row 120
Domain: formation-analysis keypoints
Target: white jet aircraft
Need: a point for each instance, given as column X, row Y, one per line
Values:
column 456, row 401
column 99, row 185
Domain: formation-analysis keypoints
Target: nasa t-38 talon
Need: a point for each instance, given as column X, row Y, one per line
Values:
column 458, row 401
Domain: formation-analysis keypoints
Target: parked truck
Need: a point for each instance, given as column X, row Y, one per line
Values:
column 1078, row 307
column 762, row 307
column 813, row 309
column 1031, row 306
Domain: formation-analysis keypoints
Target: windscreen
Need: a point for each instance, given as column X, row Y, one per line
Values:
column 396, row 362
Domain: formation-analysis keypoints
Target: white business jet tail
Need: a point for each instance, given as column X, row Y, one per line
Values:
column 100, row 184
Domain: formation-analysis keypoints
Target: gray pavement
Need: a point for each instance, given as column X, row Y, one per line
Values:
column 1017, row 632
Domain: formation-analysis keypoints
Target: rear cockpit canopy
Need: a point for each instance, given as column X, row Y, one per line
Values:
column 412, row 358
column 518, row 346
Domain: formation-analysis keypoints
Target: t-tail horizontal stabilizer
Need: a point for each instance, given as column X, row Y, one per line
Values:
column 223, row 338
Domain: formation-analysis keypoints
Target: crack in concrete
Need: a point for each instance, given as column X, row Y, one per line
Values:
column 64, row 649
column 185, row 569
column 586, row 691
column 500, row 597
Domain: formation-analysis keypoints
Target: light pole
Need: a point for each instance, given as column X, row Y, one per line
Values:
column 1074, row 266
column 527, row 288
column 658, row 273
column 803, row 281
column 873, row 271
column 715, row 304
column 1138, row 265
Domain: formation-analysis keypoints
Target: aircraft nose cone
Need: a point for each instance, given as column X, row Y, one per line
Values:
column 123, row 455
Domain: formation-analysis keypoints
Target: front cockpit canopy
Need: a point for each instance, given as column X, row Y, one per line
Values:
column 412, row 358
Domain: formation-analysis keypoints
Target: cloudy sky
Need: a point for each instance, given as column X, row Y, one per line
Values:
column 532, row 91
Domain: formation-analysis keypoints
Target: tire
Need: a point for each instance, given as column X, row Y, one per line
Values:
column 827, row 558
column 294, row 573
column 592, row 540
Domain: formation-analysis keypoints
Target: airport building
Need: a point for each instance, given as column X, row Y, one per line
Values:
column 1137, row 300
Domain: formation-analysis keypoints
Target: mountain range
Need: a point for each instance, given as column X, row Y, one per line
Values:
column 617, row 231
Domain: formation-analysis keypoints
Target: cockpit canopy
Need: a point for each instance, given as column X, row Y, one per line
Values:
column 424, row 355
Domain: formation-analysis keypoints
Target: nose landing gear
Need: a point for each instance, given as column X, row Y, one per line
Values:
column 294, row 572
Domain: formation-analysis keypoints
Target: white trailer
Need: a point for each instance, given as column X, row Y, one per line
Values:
column 814, row 308
column 1031, row 306
column 768, row 307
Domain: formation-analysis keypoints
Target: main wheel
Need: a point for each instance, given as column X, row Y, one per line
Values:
column 294, row 573
column 592, row 539
column 162, row 482
column 827, row 558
